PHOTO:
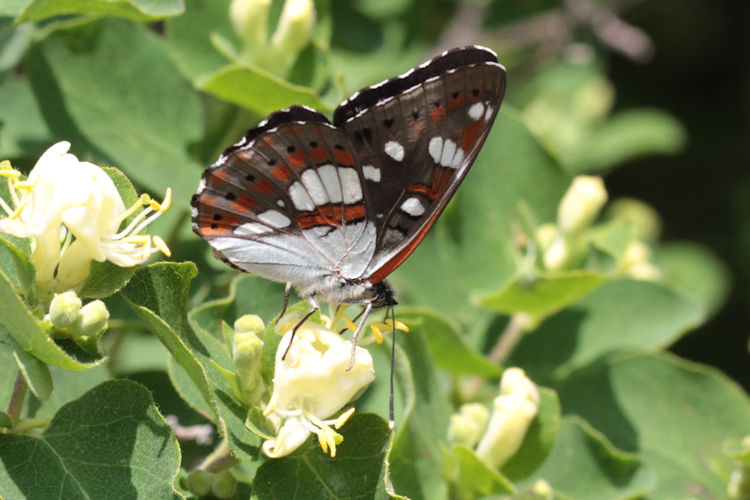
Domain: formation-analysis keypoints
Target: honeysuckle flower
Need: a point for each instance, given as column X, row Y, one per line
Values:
column 467, row 426
column 64, row 197
column 83, row 324
column 295, row 27
column 311, row 383
column 514, row 409
column 247, row 349
column 581, row 204
column 249, row 19
column 64, row 309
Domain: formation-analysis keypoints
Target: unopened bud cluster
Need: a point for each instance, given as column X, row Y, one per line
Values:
column 82, row 323
column 247, row 350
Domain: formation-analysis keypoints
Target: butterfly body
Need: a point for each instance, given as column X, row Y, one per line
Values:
column 333, row 208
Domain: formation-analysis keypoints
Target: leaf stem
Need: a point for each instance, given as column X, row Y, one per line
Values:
column 17, row 398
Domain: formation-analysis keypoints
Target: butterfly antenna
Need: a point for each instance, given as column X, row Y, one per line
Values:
column 360, row 325
column 315, row 306
column 391, row 417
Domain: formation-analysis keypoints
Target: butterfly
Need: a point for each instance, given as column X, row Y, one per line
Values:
column 333, row 208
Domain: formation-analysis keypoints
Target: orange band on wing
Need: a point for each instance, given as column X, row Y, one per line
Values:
column 331, row 215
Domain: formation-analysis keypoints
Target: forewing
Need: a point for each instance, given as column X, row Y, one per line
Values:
column 416, row 136
column 287, row 202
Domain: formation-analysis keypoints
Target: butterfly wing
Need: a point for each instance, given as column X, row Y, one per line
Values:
column 416, row 137
column 286, row 203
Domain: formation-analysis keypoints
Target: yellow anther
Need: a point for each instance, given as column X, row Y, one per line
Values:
column 162, row 246
column 10, row 173
column 17, row 213
column 349, row 323
column 375, row 327
column 23, row 186
column 167, row 201
column 343, row 418
column 399, row 325
column 323, row 442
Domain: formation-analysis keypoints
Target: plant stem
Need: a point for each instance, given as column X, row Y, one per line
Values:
column 17, row 398
column 508, row 339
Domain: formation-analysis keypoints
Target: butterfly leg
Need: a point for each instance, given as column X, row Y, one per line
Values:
column 287, row 293
column 315, row 306
column 360, row 325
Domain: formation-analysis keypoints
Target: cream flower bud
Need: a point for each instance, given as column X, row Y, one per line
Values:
column 467, row 426
column 581, row 203
column 514, row 410
column 64, row 309
column 249, row 19
column 295, row 27
column 557, row 254
column 545, row 235
column 247, row 350
column 641, row 216
column 312, row 383
column 637, row 262
column 92, row 321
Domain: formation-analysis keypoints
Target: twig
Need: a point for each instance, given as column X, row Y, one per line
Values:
column 508, row 339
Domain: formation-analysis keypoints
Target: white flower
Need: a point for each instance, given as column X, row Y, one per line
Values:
column 581, row 204
column 312, row 383
column 514, row 409
column 65, row 196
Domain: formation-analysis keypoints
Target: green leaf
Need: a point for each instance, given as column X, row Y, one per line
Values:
column 22, row 325
column 584, row 465
column 23, row 134
column 626, row 135
column 621, row 314
column 15, row 263
column 695, row 272
column 352, row 474
column 110, row 443
column 141, row 117
column 650, row 404
column 143, row 10
column 544, row 295
column 540, row 437
column 5, row 421
column 35, row 373
column 447, row 348
column 488, row 198
column 477, row 478
column 258, row 90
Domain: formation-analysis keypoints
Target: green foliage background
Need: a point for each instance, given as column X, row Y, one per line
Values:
column 157, row 90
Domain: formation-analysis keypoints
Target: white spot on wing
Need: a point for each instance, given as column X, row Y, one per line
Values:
column 371, row 173
column 436, row 148
column 488, row 113
column 413, row 207
column 281, row 203
column 330, row 179
column 449, row 150
column 249, row 229
column 458, row 159
column 394, row 150
column 314, row 187
column 350, row 185
column 476, row 111
column 275, row 218
column 300, row 198
column 202, row 184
